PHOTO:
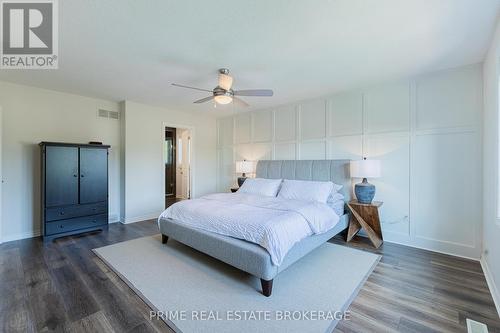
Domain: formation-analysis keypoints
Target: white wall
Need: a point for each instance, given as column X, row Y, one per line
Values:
column 31, row 115
column 491, row 220
column 426, row 131
column 144, row 169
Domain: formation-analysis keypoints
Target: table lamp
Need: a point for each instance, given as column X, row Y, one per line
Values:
column 243, row 167
column 365, row 169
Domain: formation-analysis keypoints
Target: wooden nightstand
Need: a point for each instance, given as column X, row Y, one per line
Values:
column 365, row 216
column 235, row 189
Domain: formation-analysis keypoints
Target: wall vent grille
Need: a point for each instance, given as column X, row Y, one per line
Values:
column 476, row 327
column 108, row 114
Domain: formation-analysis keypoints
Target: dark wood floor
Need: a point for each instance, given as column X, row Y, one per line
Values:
column 63, row 286
column 169, row 201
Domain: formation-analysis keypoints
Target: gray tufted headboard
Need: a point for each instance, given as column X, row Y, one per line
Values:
column 336, row 171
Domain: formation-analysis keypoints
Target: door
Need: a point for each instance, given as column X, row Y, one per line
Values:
column 169, row 156
column 61, row 176
column 93, row 175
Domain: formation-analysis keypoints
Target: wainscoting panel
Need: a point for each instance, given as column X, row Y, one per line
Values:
column 387, row 108
column 313, row 150
column 286, row 123
column 243, row 152
column 393, row 188
column 242, row 128
column 262, row 126
column 285, row 151
column 225, row 166
column 225, row 132
column 262, row 151
column 449, row 99
column 426, row 132
column 345, row 147
column 313, row 119
column 253, row 151
column 345, row 114
column 447, row 188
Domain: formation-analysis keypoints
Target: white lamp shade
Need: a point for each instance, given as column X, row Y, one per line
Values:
column 365, row 169
column 244, row 166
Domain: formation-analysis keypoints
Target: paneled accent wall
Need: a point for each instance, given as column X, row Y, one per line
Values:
column 426, row 132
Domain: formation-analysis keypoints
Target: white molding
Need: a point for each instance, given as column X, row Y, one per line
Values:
column 494, row 291
column 447, row 130
column 404, row 240
column 113, row 219
column 141, row 218
column 23, row 235
column 444, row 248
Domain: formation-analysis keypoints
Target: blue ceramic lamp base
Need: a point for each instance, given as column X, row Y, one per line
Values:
column 364, row 192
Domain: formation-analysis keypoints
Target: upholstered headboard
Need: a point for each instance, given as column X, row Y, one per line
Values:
column 336, row 171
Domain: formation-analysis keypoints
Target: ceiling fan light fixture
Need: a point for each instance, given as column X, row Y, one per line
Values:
column 225, row 81
column 223, row 99
column 224, row 94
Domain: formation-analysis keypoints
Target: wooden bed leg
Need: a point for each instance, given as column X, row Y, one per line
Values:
column 164, row 239
column 267, row 287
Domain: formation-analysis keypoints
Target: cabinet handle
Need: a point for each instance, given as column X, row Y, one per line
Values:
column 75, row 175
column 61, row 226
column 61, row 213
column 82, row 176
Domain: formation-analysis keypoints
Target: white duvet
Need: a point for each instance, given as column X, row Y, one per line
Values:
column 273, row 223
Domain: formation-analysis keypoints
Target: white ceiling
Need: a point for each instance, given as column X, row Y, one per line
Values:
column 133, row 50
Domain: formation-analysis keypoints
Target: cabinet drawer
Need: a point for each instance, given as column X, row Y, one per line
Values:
column 75, row 224
column 67, row 212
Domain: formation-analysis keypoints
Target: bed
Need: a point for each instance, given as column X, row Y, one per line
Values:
column 253, row 258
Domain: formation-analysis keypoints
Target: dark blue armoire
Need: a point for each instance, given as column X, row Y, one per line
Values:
column 74, row 188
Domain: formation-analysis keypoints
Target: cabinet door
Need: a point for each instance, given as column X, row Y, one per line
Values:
column 61, row 176
column 93, row 175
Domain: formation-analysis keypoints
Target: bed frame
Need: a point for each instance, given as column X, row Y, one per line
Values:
column 251, row 257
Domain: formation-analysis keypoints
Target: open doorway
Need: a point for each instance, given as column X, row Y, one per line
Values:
column 177, row 158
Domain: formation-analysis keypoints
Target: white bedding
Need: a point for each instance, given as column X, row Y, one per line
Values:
column 273, row 223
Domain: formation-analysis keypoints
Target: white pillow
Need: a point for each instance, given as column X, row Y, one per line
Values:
column 336, row 202
column 261, row 186
column 305, row 190
column 336, row 188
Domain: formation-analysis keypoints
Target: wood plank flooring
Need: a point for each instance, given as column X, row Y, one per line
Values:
column 64, row 287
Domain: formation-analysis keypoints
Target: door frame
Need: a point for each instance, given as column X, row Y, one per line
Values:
column 191, row 129
column 186, row 156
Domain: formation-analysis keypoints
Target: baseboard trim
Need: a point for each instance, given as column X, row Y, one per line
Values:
column 150, row 216
column 406, row 242
column 20, row 236
column 494, row 291
column 461, row 253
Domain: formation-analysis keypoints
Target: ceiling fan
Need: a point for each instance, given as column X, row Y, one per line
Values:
column 224, row 94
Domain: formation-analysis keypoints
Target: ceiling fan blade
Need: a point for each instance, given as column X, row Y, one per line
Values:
column 188, row 87
column 254, row 92
column 225, row 81
column 239, row 102
column 203, row 100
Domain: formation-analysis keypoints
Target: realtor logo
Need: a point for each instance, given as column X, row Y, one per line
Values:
column 29, row 34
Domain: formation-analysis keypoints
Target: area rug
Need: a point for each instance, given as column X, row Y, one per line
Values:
column 193, row 292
